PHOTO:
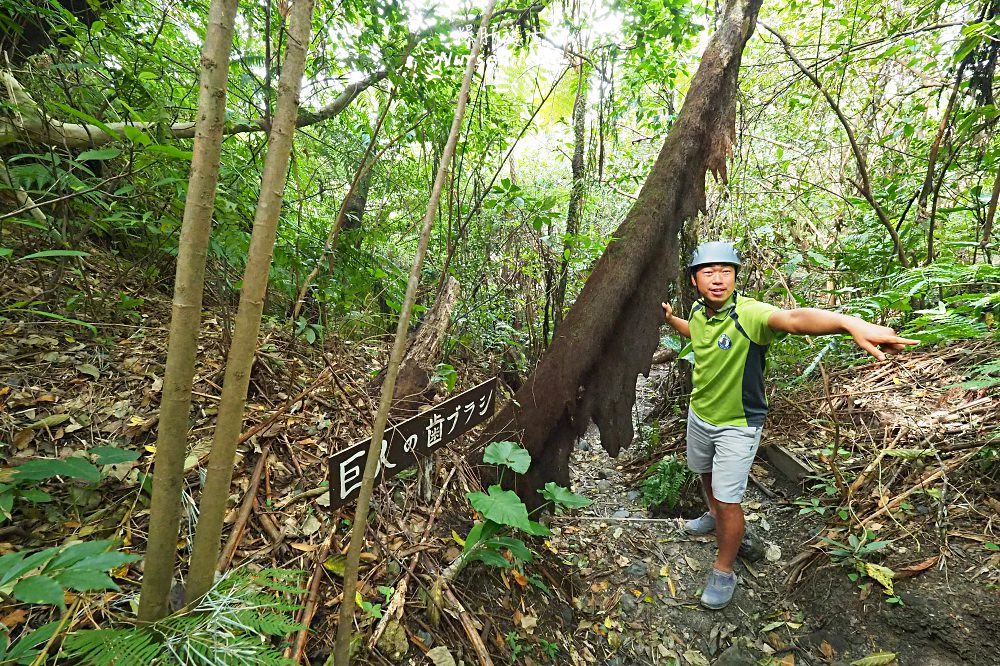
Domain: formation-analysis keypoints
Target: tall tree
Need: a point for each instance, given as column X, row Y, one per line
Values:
column 212, row 509
column 608, row 336
column 185, row 319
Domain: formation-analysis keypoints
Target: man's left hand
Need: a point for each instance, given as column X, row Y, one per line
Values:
column 879, row 340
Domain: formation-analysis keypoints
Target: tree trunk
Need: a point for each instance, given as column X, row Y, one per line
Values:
column 417, row 366
column 185, row 319
column 991, row 211
column 212, row 508
column 345, row 626
column 610, row 333
column 575, row 212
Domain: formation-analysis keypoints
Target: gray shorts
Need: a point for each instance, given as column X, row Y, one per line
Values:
column 725, row 451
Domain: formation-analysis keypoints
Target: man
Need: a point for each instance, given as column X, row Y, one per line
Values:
column 730, row 334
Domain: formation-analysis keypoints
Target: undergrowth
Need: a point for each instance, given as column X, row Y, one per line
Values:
column 236, row 623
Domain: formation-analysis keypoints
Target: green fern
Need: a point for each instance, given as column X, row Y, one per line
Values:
column 664, row 482
column 232, row 625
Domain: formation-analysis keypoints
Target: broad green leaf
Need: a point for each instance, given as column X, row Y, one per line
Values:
column 537, row 529
column 38, row 470
column 171, row 151
column 492, row 558
column 38, row 590
column 106, row 561
column 112, row 455
column 35, row 496
column 98, row 154
column 14, row 565
column 515, row 546
column 6, row 252
column 564, row 496
column 83, row 580
column 509, row 454
column 82, row 550
column 87, row 118
column 473, row 538
column 501, row 506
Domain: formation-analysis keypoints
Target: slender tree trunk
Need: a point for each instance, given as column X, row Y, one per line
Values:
column 991, row 212
column 345, row 627
column 932, row 159
column 575, row 212
column 185, row 319
column 212, row 509
column 610, row 333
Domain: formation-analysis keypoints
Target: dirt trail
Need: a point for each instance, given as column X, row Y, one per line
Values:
column 639, row 579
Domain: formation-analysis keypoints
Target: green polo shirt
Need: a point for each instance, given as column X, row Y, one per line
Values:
column 729, row 356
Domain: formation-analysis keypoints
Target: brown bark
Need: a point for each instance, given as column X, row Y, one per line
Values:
column 574, row 212
column 424, row 352
column 610, row 333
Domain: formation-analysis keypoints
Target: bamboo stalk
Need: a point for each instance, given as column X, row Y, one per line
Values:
column 239, row 362
column 185, row 318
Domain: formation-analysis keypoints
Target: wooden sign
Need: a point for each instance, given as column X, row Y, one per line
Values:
column 410, row 440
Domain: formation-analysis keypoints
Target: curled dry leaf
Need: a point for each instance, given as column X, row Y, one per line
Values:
column 440, row 656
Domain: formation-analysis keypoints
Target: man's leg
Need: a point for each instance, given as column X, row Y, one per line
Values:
column 729, row 525
column 734, row 451
column 706, row 491
column 700, row 451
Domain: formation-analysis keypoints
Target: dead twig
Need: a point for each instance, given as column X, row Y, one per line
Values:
column 236, row 534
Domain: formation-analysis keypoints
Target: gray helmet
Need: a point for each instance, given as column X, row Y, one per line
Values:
column 716, row 252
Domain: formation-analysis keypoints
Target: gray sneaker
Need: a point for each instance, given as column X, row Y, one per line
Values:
column 703, row 524
column 719, row 589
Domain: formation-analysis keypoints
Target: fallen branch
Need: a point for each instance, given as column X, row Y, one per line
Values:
column 395, row 607
column 236, row 534
column 923, row 483
column 465, row 617
column 305, row 618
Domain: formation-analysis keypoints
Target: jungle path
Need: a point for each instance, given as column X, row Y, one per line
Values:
column 639, row 579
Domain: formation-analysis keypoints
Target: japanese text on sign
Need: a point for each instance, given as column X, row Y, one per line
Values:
column 405, row 443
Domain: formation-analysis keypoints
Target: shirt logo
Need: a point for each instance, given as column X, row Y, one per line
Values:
column 725, row 342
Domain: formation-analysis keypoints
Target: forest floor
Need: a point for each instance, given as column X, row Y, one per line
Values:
column 638, row 578
column 624, row 584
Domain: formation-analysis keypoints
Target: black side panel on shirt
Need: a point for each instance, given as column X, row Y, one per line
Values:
column 754, row 400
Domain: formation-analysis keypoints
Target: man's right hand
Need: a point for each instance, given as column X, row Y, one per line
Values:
column 667, row 310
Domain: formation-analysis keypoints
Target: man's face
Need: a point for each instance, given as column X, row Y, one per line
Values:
column 715, row 283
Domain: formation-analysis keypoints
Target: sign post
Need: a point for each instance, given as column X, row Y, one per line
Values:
column 407, row 442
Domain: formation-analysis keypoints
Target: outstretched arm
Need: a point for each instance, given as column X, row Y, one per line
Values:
column 680, row 325
column 874, row 339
